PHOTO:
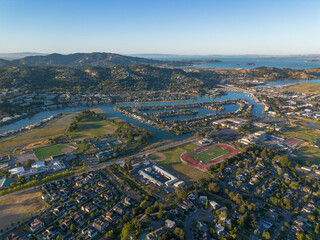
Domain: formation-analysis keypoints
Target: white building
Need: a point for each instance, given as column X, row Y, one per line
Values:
column 16, row 170
column 38, row 165
column 179, row 184
column 306, row 168
column 172, row 179
column 151, row 179
column 214, row 205
column 170, row 224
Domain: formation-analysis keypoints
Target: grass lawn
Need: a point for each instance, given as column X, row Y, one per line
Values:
column 310, row 153
column 91, row 127
column 309, row 135
column 302, row 132
column 39, row 135
column 154, row 157
column 14, row 207
column 174, row 165
column 209, row 154
column 48, row 151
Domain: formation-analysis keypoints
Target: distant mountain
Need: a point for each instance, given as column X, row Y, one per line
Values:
column 5, row 63
column 81, row 60
column 98, row 79
column 12, row 56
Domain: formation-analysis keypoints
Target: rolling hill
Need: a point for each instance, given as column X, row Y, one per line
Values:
column 97, row 59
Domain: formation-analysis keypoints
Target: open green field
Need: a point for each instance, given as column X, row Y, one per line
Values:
column 38, row 136
column 302, row 132
column 173, row 164
column 311, row 154
column 48, row 151
column 309, row 135
column 209, row 154
column 154, row 157
column 91, row 127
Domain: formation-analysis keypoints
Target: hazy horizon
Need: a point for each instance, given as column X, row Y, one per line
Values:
column 169, row 54
column 165, row 27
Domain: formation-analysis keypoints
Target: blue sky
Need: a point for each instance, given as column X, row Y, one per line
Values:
column 164, row 26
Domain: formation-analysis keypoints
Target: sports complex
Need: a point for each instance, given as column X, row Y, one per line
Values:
column 205, row 157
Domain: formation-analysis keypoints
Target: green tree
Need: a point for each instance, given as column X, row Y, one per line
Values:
column 299, row 236
column 160, row 214
column 284, row 161
column 294, row 185
column 266, row 235
column 72, row 228
column 125, row 233
column 179, row 233
column 316, row 230
column 243, row 219
column 110, row 234
column 263, row 153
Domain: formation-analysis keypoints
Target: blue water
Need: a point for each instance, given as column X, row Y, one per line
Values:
column 285, row 82
column 144, row 236
column 231, row 62
column 257, row 111
column 313, row 125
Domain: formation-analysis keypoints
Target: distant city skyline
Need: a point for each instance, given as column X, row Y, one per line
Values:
column 161, row 27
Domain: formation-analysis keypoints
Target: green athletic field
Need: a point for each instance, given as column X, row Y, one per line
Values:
column 48, row 151
column 209, row 154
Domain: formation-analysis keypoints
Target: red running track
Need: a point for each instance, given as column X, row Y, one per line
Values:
column 191, row 162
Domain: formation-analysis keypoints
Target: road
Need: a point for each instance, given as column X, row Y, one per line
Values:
column 198, row 214
column 98, row 166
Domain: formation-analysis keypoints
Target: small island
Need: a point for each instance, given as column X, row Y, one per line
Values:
column 313, row 60
column 191, row 62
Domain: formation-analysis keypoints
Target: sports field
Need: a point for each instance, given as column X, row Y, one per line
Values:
column 174, row 165
column 48, row 151
column 210, row 154
column 204, row 157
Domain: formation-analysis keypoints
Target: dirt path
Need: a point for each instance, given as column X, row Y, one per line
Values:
column 161, row 156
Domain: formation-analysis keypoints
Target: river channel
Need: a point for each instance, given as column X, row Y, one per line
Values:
column 160, row 134
column 257, row 109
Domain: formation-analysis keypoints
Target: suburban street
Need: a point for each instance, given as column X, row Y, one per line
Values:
column 198, row 214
